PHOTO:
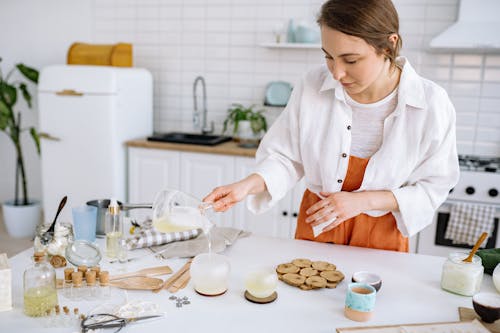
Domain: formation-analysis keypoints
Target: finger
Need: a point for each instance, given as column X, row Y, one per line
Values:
column 321, row 217
column 215, row 195
column 223, row 204
column 325, row 194
column 317, row 206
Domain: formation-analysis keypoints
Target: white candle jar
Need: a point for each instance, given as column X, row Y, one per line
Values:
column 210, row 274
column 459, row 277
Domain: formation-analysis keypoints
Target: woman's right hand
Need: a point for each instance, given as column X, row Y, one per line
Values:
column 224, row 197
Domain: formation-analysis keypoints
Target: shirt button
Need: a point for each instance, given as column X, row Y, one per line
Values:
column 339, row 181
column 349, row 127
column 344, row 155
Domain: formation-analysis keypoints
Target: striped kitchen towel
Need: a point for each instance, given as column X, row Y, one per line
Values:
column 468, row 221
column 151, row 237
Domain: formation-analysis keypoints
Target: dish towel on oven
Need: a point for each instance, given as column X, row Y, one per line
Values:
column 468, row 221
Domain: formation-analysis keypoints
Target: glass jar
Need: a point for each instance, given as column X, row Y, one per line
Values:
column 459, row 277
column 40, row 294
column 63, row 235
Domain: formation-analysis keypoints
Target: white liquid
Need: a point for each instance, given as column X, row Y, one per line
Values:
column 261, row 284
column 181, row 219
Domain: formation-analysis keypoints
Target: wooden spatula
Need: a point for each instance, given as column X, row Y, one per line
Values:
column 151, row 271
column 137, row 283
column 476, row 247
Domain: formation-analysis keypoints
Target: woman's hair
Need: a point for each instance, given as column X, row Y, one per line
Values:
column 372, row 20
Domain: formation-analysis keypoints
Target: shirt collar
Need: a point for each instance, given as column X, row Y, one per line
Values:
column 410, row 92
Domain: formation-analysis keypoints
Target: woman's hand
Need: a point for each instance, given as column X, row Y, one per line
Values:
column 341, row 206
column 225, row 197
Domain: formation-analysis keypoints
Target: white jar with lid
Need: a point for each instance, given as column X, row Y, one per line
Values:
column 459, row 277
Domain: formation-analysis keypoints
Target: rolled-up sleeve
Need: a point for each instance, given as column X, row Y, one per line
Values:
column 278, row 157
column 430, row 182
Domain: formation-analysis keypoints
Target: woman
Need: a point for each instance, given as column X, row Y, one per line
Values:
column 374, row 140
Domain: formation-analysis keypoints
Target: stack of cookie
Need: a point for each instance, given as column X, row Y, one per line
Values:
column 306, row 274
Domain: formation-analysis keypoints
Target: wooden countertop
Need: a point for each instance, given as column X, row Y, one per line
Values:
column 226, row 148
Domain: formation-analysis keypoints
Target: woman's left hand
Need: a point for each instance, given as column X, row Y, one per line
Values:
column 337, row 208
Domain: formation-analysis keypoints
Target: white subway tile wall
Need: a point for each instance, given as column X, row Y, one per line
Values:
column 178, row 40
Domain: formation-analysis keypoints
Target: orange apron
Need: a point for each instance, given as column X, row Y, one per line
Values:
column 362, row 230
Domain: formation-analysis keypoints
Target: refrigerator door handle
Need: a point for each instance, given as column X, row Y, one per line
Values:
column 47, row 136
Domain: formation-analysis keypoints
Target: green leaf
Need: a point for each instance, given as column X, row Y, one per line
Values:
column 4, row 115
column 26, row 93
column 28, row 72
column 36, row 138
column 9, row 94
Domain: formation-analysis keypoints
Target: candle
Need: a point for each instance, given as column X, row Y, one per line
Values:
column 261, row 283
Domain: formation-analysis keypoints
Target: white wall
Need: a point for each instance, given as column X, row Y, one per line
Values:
column 36, row 33
column 219, row 39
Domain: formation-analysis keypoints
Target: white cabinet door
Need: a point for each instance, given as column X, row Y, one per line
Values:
column 200, row 173
column 150, row 171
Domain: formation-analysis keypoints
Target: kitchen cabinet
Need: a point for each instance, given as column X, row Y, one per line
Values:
column 151, row 170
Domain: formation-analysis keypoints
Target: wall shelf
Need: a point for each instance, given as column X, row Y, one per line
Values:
column 292, row 46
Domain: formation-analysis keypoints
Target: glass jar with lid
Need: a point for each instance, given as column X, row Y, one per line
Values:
column 40, row 294
column 459, row 277
column 63, row 235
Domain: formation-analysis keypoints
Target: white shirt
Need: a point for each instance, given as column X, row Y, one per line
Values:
column 417, row 160
column 368, row 123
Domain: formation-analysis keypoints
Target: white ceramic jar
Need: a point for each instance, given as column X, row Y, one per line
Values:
column 210, row 274
column 496, row 277
column 459, row 277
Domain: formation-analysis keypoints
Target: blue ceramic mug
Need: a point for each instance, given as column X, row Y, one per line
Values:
column 360, row 301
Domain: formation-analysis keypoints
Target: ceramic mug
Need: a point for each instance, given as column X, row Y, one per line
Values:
column 360, row 301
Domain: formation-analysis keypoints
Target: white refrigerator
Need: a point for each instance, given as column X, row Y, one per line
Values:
column 86, row 115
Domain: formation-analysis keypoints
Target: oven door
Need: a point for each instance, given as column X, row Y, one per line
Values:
column 431, row 240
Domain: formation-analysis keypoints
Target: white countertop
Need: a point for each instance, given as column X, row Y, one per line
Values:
column 410, row 293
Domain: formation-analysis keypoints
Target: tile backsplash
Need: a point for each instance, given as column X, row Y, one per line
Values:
column 221, row 40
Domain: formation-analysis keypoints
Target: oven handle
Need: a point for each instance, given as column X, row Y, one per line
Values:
column 452, row 201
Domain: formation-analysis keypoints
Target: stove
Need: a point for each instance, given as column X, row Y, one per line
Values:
column 479, row 180
column 479, row 183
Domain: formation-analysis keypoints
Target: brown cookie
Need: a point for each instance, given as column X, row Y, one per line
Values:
column 287, row 268
column 316, row 281
column 323, row 266
column 332, row 276
column 302, row 263
column 293, row 279
column 306, row 287
column 331, row 285
column 308, row 271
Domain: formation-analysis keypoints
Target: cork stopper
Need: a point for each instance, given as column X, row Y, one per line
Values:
column 39, row 256
column 66, row 309
column 67, row 274
column 82, row 269
column 77, row 279
column 104, row 278
column 58, row 309
column 90, row 277
column 97, row 270
column 75, row 311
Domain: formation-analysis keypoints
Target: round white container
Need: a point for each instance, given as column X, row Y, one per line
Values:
column 459, row 277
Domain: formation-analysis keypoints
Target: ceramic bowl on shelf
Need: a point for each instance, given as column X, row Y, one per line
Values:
column 369, row 278
column 278, row 93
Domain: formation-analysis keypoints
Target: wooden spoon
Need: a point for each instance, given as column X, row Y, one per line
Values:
column 151, row 271
column 476, row 247
column 137, row 283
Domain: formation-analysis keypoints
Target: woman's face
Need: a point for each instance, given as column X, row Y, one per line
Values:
column 352, row 61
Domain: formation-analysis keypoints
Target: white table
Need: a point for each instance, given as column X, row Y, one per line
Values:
column 410, row 293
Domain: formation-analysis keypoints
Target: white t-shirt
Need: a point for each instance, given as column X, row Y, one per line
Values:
column 368, row 123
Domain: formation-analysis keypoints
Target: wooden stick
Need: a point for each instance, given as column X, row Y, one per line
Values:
column 180, row 282
column 151, row 271
column 174, row 277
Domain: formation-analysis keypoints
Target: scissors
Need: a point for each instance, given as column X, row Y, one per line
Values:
column 107, row 320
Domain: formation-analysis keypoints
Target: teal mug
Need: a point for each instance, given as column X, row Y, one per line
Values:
column 360, row 301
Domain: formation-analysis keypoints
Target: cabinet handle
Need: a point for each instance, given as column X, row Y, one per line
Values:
column 295, row 215
column 285, row 213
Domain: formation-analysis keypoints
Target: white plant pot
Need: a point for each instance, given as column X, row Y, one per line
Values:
column 21, row 221
column 248, row 139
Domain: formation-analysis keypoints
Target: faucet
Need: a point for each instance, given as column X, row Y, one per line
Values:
column 196, row 114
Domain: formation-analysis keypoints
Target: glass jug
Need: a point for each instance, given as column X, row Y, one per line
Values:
column 175, row 210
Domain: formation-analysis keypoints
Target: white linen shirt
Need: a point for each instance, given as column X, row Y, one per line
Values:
column 311, row 138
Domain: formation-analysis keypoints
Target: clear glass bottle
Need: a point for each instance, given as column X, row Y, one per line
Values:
column 104, row 291
column 113, row 229
column 68, row 282
column 459, row 277
column 40, row 293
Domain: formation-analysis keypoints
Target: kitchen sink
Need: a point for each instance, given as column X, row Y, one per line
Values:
column 189, row 138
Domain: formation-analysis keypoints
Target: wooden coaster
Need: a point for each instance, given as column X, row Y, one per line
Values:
column 467, row 314
column 207, row 295
column 258, row 300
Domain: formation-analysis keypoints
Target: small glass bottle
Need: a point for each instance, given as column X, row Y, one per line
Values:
column 104, row 291
column 459, row 277
column 113, row 229
column 68, row 282
column 76, row 289
column 40, row 293
column 91, row 288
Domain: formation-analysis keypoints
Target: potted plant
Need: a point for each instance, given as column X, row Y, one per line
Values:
column 21, row 214
column 248, row 123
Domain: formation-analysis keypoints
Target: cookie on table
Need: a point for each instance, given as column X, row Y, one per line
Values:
column 287, row 268
column 323, row 266
column 302, row 263
column 293, row 279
